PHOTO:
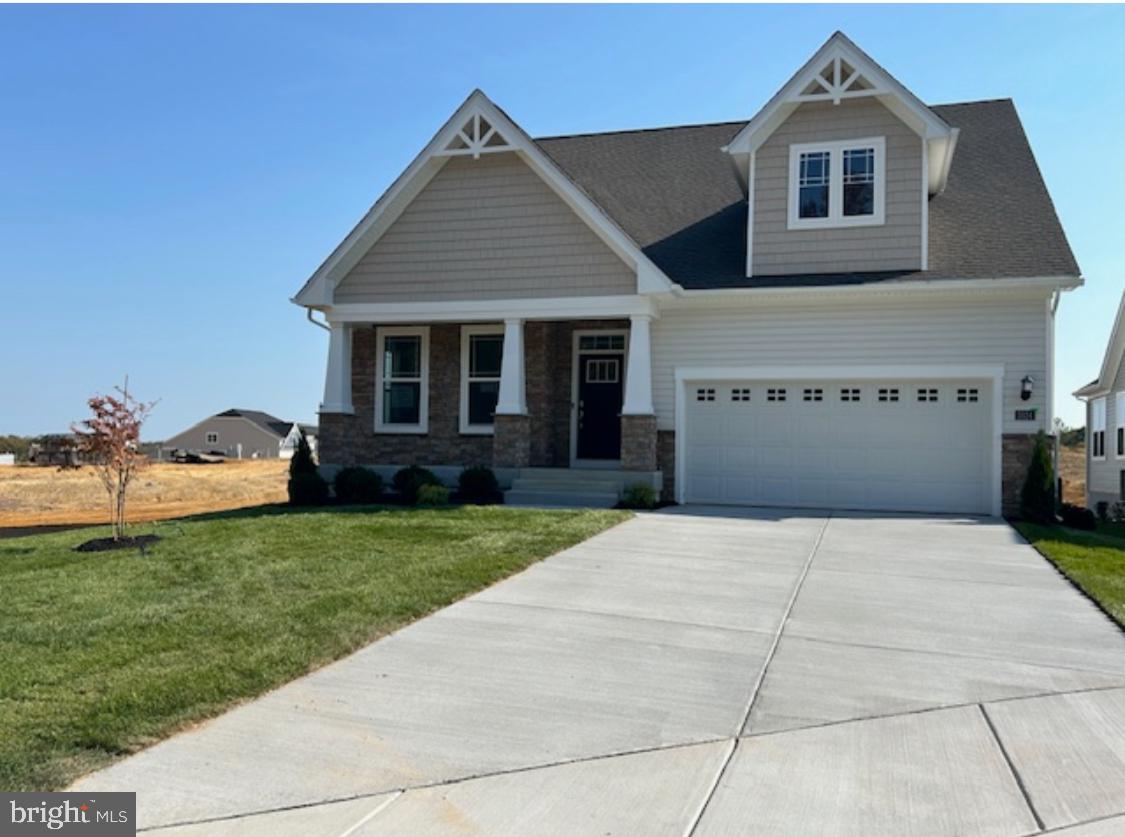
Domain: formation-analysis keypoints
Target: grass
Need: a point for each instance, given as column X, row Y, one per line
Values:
column 105, row 653
column 1095, row 561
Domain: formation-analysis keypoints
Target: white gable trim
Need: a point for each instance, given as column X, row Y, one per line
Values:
column 1111, row 362
column 318, row 290
column 939, row 135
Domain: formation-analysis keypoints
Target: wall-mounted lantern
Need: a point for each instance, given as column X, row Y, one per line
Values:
column 1026, row 386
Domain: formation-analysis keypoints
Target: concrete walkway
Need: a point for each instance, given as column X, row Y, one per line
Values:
column 699, row 672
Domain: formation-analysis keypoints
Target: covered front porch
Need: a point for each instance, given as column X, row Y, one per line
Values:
column 525, row 395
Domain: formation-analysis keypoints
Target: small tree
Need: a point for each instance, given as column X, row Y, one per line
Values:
column 1037, row 498
column 110, row 440
column 306, row 486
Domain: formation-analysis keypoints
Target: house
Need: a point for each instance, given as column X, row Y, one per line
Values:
column 847, row 301
column 1105, row 422
column 242, row 434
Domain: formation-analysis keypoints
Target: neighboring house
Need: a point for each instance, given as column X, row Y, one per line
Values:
column 7, row 459
column 1105, row 422
column 847, row 301
column 242, row 434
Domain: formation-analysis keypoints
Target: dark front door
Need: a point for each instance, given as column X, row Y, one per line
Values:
column 600, row 392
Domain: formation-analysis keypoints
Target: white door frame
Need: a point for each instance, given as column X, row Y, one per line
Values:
column 575, row 462
column 987, row 372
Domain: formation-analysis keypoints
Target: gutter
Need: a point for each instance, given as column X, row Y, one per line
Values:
column 309, row 313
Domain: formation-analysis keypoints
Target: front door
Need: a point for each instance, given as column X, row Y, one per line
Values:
column 600, row 392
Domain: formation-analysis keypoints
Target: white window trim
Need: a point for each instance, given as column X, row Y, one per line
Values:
column 382, row 334
column 1097, row 425
column 467, row 332
column 836, row 218
column 1118, row 420
column 207, row 440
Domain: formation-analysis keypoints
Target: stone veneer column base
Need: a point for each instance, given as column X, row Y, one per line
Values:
column 511, row 441
column 1015, row 459
column 638, row 443
column 666, row 461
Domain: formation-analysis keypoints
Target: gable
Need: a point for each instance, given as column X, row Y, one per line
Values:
column 486, row 228
column 895, row 244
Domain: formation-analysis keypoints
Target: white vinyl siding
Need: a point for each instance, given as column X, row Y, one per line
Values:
column 971, row 329
column 1103, row 478
column 896, row 244
column 486, row 229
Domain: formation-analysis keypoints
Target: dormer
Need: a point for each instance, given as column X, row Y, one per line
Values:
column 839, row 167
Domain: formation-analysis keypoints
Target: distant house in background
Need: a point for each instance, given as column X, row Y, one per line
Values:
column 1105, row 422
column 242, row 434
column 7, row 459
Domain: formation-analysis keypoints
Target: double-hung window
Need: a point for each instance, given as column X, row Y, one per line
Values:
column 1119, row 424
column 1097, row 428
column 482, row 348
column 212, row 438
column 402, row 380
column 837, row 184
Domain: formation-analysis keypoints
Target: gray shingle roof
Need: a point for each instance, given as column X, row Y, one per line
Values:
column 271, row 424
column 676, row 193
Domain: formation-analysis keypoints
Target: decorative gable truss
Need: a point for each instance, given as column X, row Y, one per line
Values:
column 836, row 81
column 476, row 137
column 478, row 127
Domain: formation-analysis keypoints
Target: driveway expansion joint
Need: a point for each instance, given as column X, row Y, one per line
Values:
column 1012, row 767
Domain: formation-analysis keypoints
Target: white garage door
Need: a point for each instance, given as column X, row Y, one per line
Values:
column 886, row 445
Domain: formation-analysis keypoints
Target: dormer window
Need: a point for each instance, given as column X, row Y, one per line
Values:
column 836, row 184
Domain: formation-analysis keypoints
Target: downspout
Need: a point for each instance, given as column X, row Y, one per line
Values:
column 309, row 313
column 1058, row 437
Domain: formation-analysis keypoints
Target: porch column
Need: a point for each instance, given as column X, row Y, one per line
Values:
column 638, row 376
column 638, row 417
column 512, row 400
column 338, row 379
column 511, row 429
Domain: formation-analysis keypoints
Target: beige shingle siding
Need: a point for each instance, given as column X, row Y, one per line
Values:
column 1104, row 477
column 893, row 245
column 486, row 229
column 998, row 328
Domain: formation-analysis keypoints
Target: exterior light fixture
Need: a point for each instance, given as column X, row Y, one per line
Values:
column 1026, row 386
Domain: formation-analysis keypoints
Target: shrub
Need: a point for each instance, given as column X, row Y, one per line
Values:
column 478, row 485
column 1077, row 517
column 639, row 495
column 306, row 486
column 1037, row 498
column 307, row 489
column 1117, row 512
column 1103, row 510
column 408, row 480
column 358, row 485
column 433, row 495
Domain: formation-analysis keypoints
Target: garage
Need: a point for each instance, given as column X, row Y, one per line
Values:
column 889, row 445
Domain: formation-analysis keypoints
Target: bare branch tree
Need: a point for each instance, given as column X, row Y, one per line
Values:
column 111, row 441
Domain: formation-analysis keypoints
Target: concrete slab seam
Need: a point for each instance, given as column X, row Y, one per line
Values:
column 693, row 824
column 371, row 815
column 1012, row 767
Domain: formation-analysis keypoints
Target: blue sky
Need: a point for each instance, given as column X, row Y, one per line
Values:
column 169, row 176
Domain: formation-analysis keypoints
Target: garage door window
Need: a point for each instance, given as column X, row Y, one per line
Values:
column 775, row 394
column 705, row 394
column 849, row 394
column 888, row 394
column 740, row 394
column 927, row 395
column 814, row 395
column 968, row 396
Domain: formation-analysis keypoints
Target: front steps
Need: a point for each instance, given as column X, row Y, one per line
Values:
column 573, row 488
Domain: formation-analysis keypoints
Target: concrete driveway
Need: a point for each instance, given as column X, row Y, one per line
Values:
column 701, row 672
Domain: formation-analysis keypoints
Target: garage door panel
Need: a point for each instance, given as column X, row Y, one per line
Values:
column 894, row 445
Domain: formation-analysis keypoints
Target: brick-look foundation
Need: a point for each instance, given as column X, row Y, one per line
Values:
column 638, row 443
column 1015, row 459
column 511, row 442
column 666, row 462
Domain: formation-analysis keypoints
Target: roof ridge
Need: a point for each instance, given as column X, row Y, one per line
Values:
column 991, row 101
column 644, row 130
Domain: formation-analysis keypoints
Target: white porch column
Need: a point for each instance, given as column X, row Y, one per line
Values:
column 638, row 377
column 512, row 400
column 338, row 379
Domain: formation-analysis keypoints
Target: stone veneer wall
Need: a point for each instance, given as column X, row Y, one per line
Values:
column 638, row 443
column 350, row 440
column 1015, row 459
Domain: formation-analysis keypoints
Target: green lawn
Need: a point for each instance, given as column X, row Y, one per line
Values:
column 1095, row 561
column 104, row 653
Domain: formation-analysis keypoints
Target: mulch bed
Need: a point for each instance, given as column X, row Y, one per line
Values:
column 107, row 544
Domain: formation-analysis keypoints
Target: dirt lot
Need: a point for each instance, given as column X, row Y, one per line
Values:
column 32, row 496
column 1072, row 469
